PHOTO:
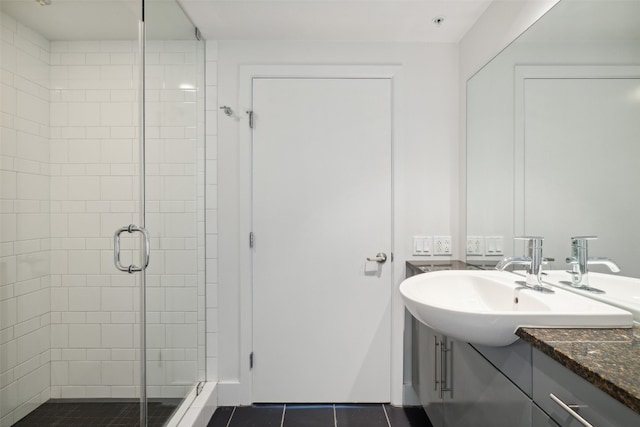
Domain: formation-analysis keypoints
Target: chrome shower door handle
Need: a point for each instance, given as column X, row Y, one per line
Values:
column 116, row 248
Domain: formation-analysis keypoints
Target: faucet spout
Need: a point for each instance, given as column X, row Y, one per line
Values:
column 506, row 262
column 604, row 261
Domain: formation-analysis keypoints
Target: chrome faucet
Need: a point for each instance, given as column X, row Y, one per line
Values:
column 533, row 261
column 580, row 263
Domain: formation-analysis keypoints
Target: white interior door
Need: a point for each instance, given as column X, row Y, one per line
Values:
column 321, row 206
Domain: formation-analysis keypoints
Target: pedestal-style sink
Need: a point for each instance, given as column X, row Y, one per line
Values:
column 621, row 291
column 487, row 307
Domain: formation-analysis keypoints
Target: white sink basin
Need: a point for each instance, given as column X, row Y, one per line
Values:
column 487, row 307
column 621, row 291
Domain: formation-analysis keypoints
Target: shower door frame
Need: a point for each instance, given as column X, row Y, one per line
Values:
column 143, row 222
column 143, row 122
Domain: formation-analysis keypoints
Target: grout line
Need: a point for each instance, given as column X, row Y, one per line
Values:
column 386, row 415
column 284, row 409
column 335, row 417
column 231, row 417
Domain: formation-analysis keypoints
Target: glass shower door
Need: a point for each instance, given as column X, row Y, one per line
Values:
column 173, row 172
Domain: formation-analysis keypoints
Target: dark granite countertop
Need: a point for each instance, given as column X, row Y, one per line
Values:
column 420, row 266
column 607, row 358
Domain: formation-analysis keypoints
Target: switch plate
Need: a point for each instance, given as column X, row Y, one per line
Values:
column 442, row 245
column 475, row 245
column 494, row 245
column 422, row 245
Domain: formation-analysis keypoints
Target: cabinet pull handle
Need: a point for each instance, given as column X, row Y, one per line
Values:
column 435, row 363
column 570, row 411
column 446, row 350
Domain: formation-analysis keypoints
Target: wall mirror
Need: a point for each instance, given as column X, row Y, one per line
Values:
column 553, row 138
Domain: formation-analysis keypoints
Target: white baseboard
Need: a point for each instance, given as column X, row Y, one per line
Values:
column 231, row 394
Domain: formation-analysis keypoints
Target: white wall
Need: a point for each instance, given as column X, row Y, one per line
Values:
column 24, row 218
column 425, row 172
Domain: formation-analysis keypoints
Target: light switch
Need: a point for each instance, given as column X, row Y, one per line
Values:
column 495, row 245
column 422, row 245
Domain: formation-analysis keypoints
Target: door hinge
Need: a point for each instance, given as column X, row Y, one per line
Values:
column 251, row 360
column 250, row 113
column 251, row 239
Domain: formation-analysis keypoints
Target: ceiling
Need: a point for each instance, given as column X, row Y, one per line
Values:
column 321, row 20
column 329, row 20
column 100, row 19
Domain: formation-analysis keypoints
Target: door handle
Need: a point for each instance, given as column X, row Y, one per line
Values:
column 116, row 248
column 380, row 257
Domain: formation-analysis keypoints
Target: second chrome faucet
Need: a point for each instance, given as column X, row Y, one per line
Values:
column 580, row 262
column 533, row 261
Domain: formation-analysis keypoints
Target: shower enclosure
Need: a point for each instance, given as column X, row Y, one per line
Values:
column 102, row 133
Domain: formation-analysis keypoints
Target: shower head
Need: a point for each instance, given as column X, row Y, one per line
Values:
column 44, row 2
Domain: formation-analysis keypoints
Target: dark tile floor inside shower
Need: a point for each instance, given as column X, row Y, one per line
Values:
column 357, row 415
column 98, row 414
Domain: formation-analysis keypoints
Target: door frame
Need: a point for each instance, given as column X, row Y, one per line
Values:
column 246, row 76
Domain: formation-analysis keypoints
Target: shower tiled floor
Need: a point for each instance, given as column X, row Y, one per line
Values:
column 97, row 414
column 373, row 415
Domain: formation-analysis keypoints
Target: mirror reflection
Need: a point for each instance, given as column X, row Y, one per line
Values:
column 552, row 139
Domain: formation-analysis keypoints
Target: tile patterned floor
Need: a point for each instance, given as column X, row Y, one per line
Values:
column 295, row 415
column 97, row 414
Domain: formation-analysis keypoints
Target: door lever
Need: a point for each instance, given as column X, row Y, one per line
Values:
column 380, row 257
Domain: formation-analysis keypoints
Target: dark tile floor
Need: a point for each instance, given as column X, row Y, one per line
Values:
column 97, row 414
column 296, row 415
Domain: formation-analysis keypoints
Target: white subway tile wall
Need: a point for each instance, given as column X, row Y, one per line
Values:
column 25, row 356
column 69, row 178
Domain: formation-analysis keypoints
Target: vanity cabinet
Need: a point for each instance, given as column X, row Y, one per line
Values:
column 554, row 385
column 427, row 374
column 539, row 418
column 464, row 385
column 458, row 387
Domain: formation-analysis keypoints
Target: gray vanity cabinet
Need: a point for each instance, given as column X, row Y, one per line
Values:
column 596, row 407
column 481, row 395
column 458, row 387
column 427, row 373
column 540, row 419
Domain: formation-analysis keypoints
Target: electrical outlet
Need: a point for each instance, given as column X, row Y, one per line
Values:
column 494, row 245
column 422, row 245
column 475, row 245
column 442, row 245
